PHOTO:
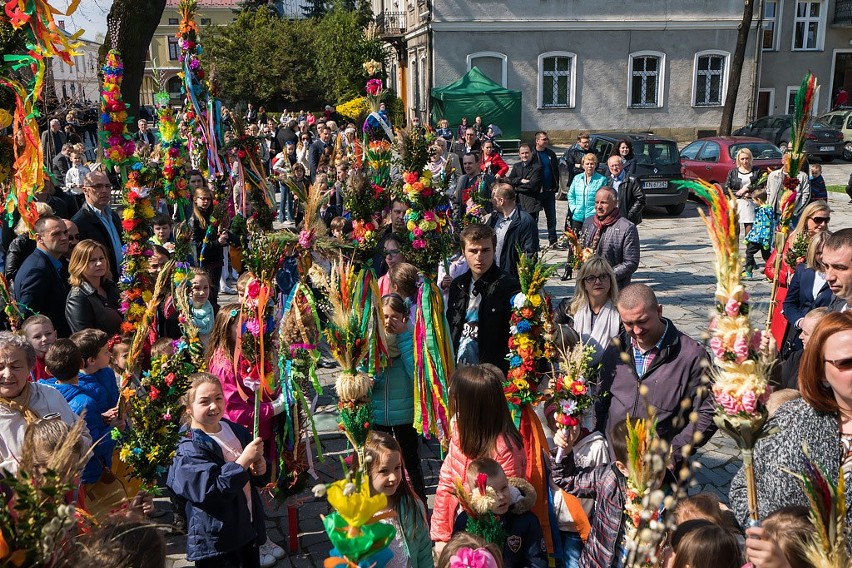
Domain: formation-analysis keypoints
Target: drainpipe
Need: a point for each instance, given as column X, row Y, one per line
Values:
column 430, row 35
column 758, row 61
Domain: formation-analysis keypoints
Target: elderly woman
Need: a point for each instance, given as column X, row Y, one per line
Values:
column 23, row 402
column 581, row 195
column 807, row 290
column 742, row 180
column 94, row 299
column 821, row 419
column 593, row 308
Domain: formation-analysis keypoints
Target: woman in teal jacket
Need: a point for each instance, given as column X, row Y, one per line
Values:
column 393, row 389
column 581, row 195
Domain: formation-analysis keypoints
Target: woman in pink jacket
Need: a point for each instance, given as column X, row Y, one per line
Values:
column 482, row 427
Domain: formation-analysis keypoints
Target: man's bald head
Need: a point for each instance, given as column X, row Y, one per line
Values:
column 637, row 295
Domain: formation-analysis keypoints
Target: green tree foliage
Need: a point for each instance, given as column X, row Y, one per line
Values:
column 277, row 62
column 262, row 58
column 315, row 8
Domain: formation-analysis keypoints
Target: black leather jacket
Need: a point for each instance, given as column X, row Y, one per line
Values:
column 86, row 308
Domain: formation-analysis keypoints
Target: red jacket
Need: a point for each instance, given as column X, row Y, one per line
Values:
column 511, row 458
column 494, row 165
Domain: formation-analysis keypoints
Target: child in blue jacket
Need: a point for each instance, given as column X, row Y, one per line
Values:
column 217, row 469
column 63, row 361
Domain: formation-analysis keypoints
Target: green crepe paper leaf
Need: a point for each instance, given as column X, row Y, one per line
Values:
column 373, row 537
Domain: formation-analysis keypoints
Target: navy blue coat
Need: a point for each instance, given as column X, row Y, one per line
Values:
column 524, row 546
column 800, row 300
column 40, row 289
column 216, row 510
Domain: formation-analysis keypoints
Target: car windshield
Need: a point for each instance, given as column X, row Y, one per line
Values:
column 658, row 153
column 760, row 150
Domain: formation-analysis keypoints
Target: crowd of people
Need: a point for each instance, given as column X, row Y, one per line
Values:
column 68, row 359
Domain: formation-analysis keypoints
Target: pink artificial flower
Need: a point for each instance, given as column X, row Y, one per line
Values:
column 306, row 239
column 741, row 346
column 429, row 216
column 728, row 403
column 749, row 402
column 717, row 347
column 374, row 87
column 419, row 244
column 253, row 288
column 253, row 327
column 418, row 232
column 732, row 308
column 473, row 558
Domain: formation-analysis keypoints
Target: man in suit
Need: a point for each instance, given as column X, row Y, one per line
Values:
column 97, row 221
column 631, row 196
column 525, row 177
column 40, row 285
column 144, row 135
column 52, row 141
column 61, row 164
column 473, row 180
column 317, row 150
column 546, row 158
column 515, row 229
column 837, row 259
column 479, row 300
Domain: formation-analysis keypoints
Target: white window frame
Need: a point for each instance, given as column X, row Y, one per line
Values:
column 771, row 91
column 776, row 20
column 572, row 79
column 424, row 90
column 661, row 77
column 412, row 80
column 724, row 86
column 504, row 62
column 821, row 31
column 792, row 90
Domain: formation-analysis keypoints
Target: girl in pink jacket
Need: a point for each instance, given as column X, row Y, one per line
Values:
column 220, row 357
column 482, row 428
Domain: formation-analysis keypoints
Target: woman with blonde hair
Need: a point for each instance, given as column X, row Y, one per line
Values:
column 593, row 307
column 581, row 194
column 741, row 181
column 808, row 289
column 94, row 299
column 814, row 219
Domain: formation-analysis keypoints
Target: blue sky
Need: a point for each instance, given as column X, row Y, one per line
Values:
column 90, row 16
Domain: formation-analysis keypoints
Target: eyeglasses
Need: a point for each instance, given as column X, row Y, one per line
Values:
column 841, row 364
column 592, row 278
column 391, row 252
column 821, row 220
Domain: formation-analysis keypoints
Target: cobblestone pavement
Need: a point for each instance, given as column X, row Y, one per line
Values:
column 676, row 262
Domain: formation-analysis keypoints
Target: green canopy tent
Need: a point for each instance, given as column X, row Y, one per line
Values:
column 476, row 95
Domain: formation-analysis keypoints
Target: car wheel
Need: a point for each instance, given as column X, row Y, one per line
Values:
column 782, row 146
column 827, row 159
column 676, row 209
column 847, row 151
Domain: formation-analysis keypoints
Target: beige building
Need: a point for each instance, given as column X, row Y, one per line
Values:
column 164, row 53
column 78, row 83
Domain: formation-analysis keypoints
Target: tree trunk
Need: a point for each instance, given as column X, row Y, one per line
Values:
column 131, row 25
column 736, row 69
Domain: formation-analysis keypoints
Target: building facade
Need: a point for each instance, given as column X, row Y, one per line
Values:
column 78, row 84
column 659, row 65
column 163, row 62
column 798, row 36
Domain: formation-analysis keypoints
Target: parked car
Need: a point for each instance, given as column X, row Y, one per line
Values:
column 657, row 165
column 842, row 121
column 823, row 141
column 711, row 159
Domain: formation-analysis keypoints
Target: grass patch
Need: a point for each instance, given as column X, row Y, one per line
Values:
column 836, row 188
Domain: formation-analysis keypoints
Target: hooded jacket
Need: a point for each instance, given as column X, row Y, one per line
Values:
column 216, row 511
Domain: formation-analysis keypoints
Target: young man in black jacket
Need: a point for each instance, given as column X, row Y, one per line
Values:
column 478, row 309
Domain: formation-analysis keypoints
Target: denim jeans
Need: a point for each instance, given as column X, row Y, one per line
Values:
column 572, row 546
column 285, row 203
column 548, row 202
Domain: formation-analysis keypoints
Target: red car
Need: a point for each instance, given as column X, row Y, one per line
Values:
column 711, row 159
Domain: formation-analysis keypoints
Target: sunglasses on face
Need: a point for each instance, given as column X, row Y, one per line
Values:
column 841, row 364
column 391, row 252
column 820, row 220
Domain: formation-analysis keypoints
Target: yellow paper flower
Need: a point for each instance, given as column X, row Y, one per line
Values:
column 535, row 300
column 358, row 508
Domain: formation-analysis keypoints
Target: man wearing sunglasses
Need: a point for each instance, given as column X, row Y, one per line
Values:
column 837, row 259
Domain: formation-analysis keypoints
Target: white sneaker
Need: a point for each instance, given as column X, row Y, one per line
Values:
column 273, row 549
column 267, row 561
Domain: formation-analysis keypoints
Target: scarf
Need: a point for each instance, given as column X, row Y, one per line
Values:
column 601, row 224
column 202, row 318
column 21, row 404
column 606, row 326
